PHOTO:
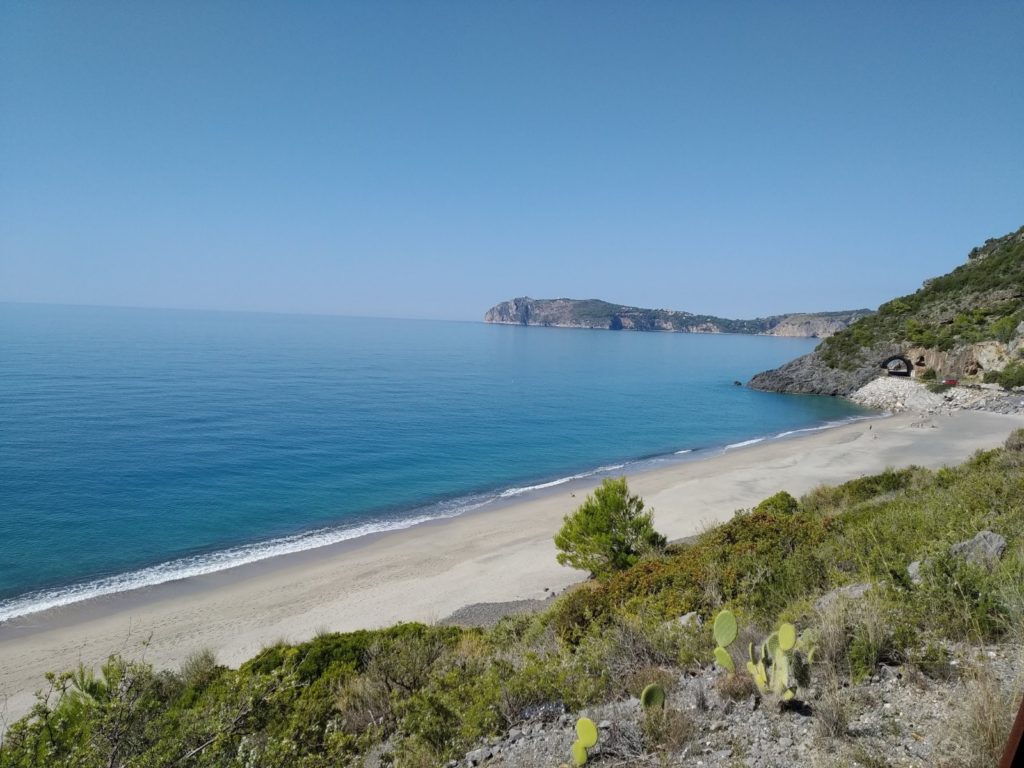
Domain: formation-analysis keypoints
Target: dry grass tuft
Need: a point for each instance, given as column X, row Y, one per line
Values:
column 667, row 730
column 738, row 687
column 831, row 712
column 363, row 703
column 978, row 736
column 199, row 667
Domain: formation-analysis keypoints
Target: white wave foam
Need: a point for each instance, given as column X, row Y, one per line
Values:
column 826, row 425
column 745, row 442
column 510, row 492
column 685, row 450
column 807, row 429
column 200, row 565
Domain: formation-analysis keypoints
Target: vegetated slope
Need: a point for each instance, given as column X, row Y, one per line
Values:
column 413, row 695
column 603, row 315
column 964, row 325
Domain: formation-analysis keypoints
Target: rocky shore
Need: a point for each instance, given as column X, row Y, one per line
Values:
column 808, row 375
column 897, row 394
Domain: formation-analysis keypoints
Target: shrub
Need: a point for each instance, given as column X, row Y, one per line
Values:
column 870, row 488
column 782, row 503
column 609, row 532
column 963, row 600
column 928, row 374
column 575, row 612
column 872, row 641
column 1011, row 376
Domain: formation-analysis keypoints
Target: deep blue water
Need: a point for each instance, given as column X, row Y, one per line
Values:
column 179, row 442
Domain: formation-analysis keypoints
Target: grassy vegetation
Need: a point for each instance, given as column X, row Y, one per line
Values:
column 423, row 695
column 978, row 301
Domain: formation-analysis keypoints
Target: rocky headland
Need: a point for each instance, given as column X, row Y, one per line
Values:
column 595, row 314
column 967, row 326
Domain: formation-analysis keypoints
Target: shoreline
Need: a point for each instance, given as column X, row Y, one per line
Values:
column 19, row 607
column 498, row 553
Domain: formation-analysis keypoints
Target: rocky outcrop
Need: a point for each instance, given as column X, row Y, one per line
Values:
column 985, row 549
column 814, row 326
column 960, row 326
column 602, row 315
column 809, row 375
column 965, row 362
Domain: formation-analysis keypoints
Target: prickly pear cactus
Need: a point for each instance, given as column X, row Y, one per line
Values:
column 779, row 665
column 725, row 633
column 579, row 753
column 725, row 628
column 653, row 697
column 586, row 732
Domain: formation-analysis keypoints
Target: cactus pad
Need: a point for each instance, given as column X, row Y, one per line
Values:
column 653, row 696
column 787, row 637
column 579, row 753
column 724, row 660
column 587, row 732
column 725, row 628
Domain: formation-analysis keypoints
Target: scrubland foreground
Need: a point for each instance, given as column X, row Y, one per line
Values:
column 906, row 589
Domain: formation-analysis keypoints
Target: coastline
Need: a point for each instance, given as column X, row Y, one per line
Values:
column 500, row 553
column 218, row 560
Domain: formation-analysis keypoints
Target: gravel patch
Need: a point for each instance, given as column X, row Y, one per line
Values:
column 488, row 615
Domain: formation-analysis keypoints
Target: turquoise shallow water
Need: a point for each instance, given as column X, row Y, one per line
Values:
column 137, row 446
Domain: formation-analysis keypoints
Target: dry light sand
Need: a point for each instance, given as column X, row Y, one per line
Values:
column 424, row 573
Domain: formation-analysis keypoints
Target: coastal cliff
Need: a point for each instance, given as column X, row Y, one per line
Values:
column 966, row 325
column 603, row 315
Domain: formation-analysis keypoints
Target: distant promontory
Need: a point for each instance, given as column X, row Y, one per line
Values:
column 603, row 315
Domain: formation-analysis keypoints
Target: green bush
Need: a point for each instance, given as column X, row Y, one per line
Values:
column 928, row 374
column 1015, row 442
column 609, row 532
column 1011, row 376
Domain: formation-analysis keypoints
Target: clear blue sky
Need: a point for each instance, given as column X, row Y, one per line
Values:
column 428, row 159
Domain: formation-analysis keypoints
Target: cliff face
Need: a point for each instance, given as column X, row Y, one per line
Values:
column 596, row 314
column 961, row 325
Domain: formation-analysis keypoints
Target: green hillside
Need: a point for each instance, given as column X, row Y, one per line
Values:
column 981, row 300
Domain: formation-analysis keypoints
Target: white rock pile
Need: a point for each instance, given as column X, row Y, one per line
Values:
column 896, row 394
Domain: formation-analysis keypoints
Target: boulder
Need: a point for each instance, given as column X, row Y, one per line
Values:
column 691, row 619
column 914, row 572
column 986, row 548
column 849, row 592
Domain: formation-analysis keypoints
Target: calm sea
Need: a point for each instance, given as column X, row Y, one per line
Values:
column 139, row 446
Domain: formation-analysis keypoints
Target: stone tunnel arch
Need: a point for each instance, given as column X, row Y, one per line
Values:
column 897, row 365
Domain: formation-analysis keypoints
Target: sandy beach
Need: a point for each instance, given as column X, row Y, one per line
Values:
column 504, row 552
